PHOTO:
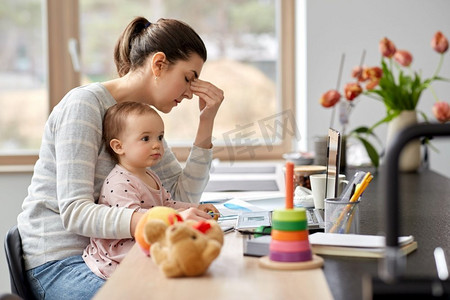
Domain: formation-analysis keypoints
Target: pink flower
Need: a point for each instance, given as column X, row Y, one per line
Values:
column 441, row 111
column 439, row 42
column 403, row 57
column 330, row 98
column 387, row 48
column 352, row 90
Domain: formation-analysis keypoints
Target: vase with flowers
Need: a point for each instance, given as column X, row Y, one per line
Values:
column 399, row 88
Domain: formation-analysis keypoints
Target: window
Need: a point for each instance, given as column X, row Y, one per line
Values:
column 256, row 120
column 32, row 65
column 23, row 77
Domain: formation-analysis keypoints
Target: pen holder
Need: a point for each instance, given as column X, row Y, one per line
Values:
column 341, row 217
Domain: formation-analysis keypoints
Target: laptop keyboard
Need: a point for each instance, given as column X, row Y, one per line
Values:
column 311, row 216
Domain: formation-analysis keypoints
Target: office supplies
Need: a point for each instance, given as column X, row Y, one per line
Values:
column 361, row 187
column 232, row 208
column 350, row 189
column 335, row 221
column 315, row 218
column 226, row 228
column 359, row 190
column 356, row 245
column 335, row 244
column 253, row 220
column 333, row 159
column 214, row 215
column 236, row 207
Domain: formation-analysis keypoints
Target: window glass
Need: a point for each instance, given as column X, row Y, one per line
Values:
column 23, row 76
column 240, row 36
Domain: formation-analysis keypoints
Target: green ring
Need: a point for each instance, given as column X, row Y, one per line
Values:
column 289, row 225
column 296, row 214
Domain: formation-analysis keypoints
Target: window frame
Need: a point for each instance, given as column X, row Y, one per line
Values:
column 63, row 24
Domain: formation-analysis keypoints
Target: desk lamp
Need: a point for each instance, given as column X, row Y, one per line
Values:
column 392, row 267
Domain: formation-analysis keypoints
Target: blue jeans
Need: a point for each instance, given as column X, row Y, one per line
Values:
column 69, row 278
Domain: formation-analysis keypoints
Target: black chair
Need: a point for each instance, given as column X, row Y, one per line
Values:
column 14, row 257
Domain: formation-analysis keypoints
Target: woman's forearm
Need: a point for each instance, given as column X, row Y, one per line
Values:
column 203, row 138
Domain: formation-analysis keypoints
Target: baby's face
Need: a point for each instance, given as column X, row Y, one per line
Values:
column 142, row 140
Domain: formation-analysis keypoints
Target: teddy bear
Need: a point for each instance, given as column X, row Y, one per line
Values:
column 166, row 214
column 181, row 248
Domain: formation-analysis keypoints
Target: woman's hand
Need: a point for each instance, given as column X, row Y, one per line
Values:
column 211, row 98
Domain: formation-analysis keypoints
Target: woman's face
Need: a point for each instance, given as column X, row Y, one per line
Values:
column 174, row 82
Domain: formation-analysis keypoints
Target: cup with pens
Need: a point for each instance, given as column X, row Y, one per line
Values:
column 342, row 214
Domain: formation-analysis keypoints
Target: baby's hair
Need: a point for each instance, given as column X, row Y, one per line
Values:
column 174, row 38
column 114, row 122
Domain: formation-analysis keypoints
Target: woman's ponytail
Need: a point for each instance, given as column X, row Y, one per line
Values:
column 141, row 38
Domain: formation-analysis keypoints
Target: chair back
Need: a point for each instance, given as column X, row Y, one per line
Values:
column 14, row 257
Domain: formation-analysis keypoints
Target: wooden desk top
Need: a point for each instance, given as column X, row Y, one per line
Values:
column 230, row 276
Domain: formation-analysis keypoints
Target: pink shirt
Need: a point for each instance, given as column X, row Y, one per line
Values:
column 122, row 189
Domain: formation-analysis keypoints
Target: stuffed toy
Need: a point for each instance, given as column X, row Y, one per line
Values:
column 181, row 248
column 165, row 214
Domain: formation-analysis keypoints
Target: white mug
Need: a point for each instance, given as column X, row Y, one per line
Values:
column 318, row 188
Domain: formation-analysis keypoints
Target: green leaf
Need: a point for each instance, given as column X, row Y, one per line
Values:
column 371, row 151
column 390, row 115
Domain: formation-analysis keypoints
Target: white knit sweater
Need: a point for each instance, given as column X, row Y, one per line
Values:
column 59, row 214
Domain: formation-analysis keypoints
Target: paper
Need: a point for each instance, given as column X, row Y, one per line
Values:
column 354, row 240
column 236, row 206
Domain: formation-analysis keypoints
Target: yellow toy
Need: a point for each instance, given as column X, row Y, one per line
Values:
column 167, row 215
column 181, row 248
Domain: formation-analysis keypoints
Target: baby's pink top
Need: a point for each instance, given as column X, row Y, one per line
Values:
column 122, row 189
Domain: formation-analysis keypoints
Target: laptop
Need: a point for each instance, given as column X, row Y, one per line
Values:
column 316, row 216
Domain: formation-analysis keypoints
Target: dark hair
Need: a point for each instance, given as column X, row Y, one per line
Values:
column 115, row 119
column 174, row 38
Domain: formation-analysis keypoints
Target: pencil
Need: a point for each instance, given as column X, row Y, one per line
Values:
column 359, row 189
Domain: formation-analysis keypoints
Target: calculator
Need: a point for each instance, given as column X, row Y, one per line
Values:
column 253, row 220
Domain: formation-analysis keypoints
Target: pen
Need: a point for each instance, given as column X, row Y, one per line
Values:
column 353, row 190
column 358, row 191
column 361, row 187
column 214, row 215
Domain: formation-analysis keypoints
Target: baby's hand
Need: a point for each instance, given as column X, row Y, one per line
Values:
column 210, row 209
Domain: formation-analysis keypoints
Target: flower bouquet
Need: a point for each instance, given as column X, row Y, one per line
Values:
column 390, row 84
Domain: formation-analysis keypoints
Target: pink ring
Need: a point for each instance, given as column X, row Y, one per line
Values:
column 288, row 246
column 290, row 256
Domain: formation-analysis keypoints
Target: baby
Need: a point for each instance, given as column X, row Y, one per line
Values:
column 133, row 133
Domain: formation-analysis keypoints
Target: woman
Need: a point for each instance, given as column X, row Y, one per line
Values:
column 158, row 64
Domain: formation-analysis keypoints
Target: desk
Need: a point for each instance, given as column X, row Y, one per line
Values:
column 425, row 214
column 230, row 276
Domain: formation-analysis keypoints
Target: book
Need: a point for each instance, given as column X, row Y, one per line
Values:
column 257, row 246
column 354, row 245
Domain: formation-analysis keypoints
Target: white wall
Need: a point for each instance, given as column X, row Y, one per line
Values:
column 13, row 189
column 329, row 28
